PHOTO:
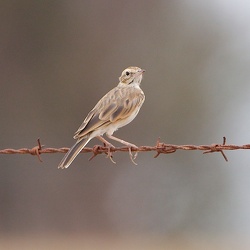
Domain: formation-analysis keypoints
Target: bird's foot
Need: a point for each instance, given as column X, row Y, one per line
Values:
column 109, row 153
column 132, row 157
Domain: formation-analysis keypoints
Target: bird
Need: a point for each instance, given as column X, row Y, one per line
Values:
column 114, row 110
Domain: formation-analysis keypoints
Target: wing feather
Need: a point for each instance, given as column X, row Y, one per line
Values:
column 116, row 105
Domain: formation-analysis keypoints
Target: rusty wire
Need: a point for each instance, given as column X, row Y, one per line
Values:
column 159, row 148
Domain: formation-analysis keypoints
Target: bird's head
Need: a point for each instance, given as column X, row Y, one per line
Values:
column 131, row 75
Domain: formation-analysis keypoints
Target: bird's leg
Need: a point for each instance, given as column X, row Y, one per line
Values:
column 128, row 144
column 109, row 145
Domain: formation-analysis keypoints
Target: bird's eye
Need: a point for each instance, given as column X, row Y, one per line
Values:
column 127, row 73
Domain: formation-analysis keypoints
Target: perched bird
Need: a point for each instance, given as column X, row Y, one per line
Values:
column 114, row 110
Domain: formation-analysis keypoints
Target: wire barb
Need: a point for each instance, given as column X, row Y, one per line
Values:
column 37, row 150
column 95, row 152
column 162, row 148
column 214, row 148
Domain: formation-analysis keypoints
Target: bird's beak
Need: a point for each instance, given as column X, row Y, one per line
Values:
column 140, row 72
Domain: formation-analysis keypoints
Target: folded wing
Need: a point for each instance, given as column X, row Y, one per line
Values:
column 116, row 105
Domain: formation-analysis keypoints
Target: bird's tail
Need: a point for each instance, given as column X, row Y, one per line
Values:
column 73, row 152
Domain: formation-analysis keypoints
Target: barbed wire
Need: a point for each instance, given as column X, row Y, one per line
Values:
column 159, row 148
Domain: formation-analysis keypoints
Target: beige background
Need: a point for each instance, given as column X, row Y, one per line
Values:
column 59, row 57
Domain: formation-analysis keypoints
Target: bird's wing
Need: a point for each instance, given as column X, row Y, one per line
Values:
column 117, row 104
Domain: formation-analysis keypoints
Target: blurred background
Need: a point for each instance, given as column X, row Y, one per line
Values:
column 58, row 58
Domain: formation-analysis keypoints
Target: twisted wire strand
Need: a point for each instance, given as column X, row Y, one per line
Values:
column 159, row 148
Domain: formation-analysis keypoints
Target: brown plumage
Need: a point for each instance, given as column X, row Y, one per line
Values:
column 114, row 110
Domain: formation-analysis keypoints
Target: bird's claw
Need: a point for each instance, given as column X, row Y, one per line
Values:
column 109, row 153
column 133, row 157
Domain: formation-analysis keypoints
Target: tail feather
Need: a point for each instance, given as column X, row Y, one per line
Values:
column 73, row 152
